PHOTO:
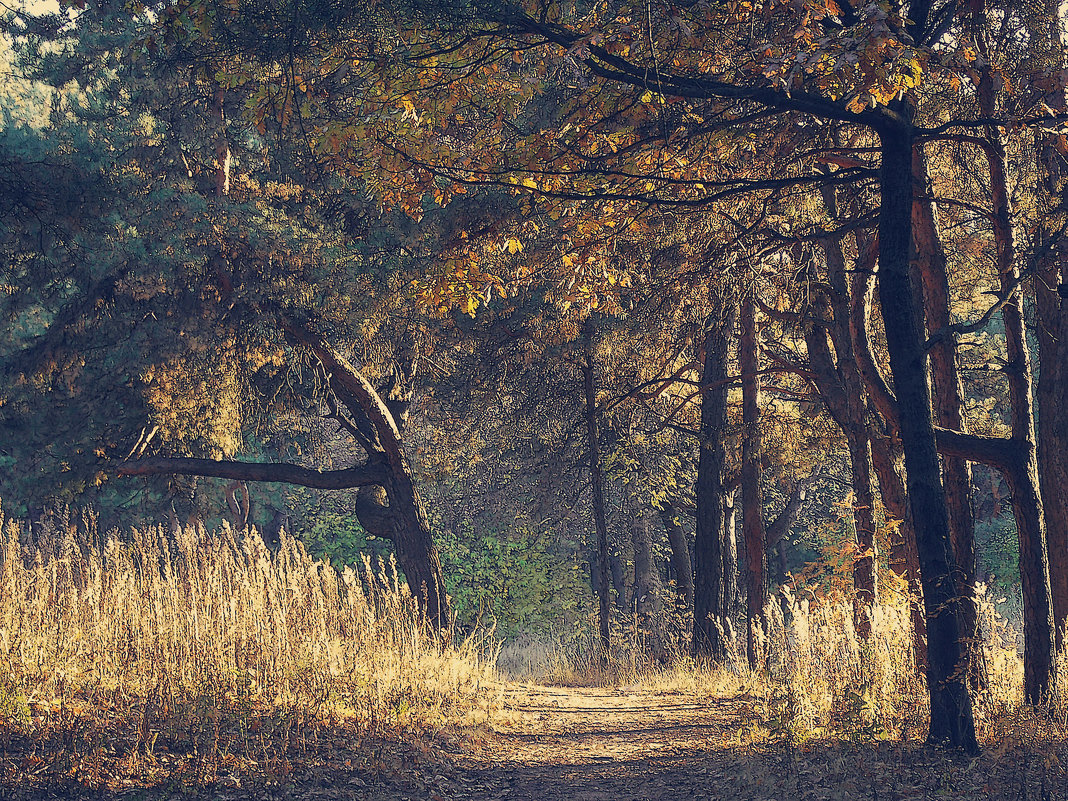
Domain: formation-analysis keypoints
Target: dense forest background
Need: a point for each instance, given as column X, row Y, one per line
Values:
column 613, row 324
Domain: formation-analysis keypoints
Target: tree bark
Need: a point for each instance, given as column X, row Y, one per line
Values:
column 754, row 535
column 731, row 587
column 646, row 580
column 413, row 544
column 597, row 485
column 889, row 464
column 841, row 386
column 681, row 565
column 951, row 708
column 708, row 622
column 1051, row 290
column 1039, row 663
column 948, row 392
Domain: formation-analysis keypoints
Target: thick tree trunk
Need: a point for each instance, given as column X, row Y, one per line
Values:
column 751, row 474
column 1051, row 290
column 951, row 708
column 1052, row 400
column 372, row 419
column 597, row 484
column 708, row 618
column 948, row 392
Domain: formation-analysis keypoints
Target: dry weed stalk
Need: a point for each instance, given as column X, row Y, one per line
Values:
column 201, row 623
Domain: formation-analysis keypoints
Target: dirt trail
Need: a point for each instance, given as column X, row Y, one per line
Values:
column 605, row 744
column 588, row 744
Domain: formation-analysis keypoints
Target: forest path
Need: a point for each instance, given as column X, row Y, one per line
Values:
column 634, row 744
column 594, row 743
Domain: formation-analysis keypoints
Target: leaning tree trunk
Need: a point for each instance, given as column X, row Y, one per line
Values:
column 388, row 502
column 951, row 707
column 708, row 617
column 417, row 556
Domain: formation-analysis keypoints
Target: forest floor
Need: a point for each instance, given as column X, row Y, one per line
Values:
column 574, row 743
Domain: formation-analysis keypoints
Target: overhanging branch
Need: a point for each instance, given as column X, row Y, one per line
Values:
column 281, row 472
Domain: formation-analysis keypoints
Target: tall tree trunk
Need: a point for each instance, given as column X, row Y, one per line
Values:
column 751, row 474
column 597, row 484
column 1051, row 290
column 887, row 456
column 948, row 392
column 708, row 617
column 842, row 386
column 951, row 708
column 222, row 144
column 1039, row 665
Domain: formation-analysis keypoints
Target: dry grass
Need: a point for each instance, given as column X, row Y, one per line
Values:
column 818, row 678
column 207, row 655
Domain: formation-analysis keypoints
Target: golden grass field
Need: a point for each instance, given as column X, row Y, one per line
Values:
column 206, row 660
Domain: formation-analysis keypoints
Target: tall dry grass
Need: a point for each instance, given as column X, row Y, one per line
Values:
column 817, row 676
column 197, row 629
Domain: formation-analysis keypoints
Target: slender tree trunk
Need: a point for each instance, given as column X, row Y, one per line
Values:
column 597, row 483
column 1039, row 664
column 751, row 473
column 842, row 387
column 948, row 392
column 951, row 708
column 731, row 587
column 708, row 622
column 646, row 581
column 222, row 144
column 681, row 565
column 864, row 525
